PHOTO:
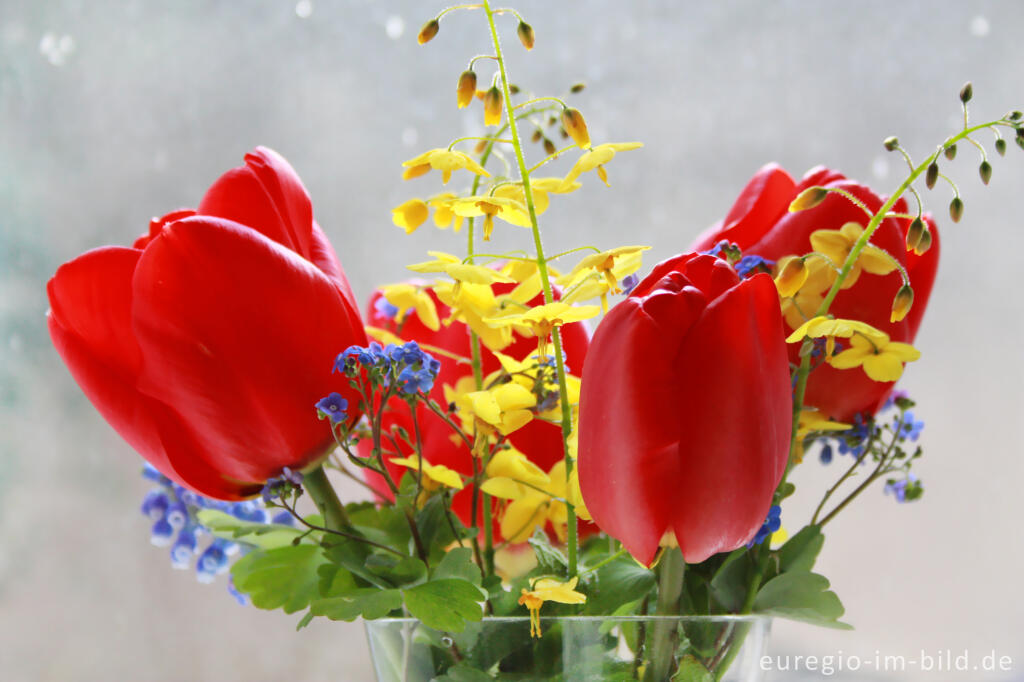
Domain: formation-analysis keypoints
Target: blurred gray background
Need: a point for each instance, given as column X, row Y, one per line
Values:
column 112, row 112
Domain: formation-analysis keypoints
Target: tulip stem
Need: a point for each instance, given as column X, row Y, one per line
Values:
column 319, row 488
column 542, row 267
column 664, row 638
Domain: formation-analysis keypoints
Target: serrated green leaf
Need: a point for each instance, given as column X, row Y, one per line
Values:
column 550, row 560
column 803, row 596
column 262, row 535
column 445, row 604
column 458, row 563
column 620, row 581
column 285, row 577
column 397, row 571
column 800, row 551
column 691, row 670
column 368, row 602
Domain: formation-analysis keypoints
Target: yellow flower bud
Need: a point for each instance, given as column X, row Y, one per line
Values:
column 809, row 198
column 791, row 277
column 410, row 215
column 914, row 233
column 925, row 242
column 549, row 146
column 492, row 106
column 572, row 121
column 902, row 303
column 466, row 88
column 428, row 31
column 956, row 209
column 526, row 36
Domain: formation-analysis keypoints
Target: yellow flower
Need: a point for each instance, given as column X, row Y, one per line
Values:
column 881, row 359
column 597, row 158
column 807, row 300
column 444, row 160
column 507, row 209
column 471, row 303
column 599, row 274
column 837, row 244
column 461, row 272
column 537, row 506
column 505, row 407
column 410, row 215
column 408, row 297
column 541, row 319
column 434, row 475
column 811, row 420
column 829, row 328
column 509, row 473
column 547, row 589
column 444, row 217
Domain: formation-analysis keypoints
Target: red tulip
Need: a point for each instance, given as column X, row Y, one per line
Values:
column 760, row 224
column 207, row 343
column 685, row 411
column 540, row 441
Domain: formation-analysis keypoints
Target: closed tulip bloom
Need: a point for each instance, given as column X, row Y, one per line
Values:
column 207, row 343
column 761, row 223
column 685, row 410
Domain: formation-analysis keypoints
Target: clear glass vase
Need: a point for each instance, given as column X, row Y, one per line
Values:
column 573, row 649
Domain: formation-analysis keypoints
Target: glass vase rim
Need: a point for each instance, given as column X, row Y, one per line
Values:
column 631, row 618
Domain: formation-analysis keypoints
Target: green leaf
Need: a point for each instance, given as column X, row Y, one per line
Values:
column 729, row 584
column 368, row 602
column 306, row 620
column 549, row 559
column 464, row 673
column 385, row 525
column 458, row 563
column 618, row 582
column 398, row 571
column 435, row 529
column 445, row 604
column 801, row 550
column 262, row 535
column 285, row 577
column 803, row 596
column 691, row 670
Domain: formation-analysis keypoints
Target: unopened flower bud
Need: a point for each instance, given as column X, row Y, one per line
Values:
column 466, row 88
column 915, row 232
column 791, row 277
column 985, row 171
column 1001, row 146
column 956, row 209
column 1015, row 115
column 572, row 121
column 513, row 89
column 577, row 88
column 526, row 36
column 492, row 106
column 902, row 303
column 549, row 146
column 950, row 152
column 931, row 175
column 809, row 198
column 428, row 31
column 537, row 135
column 925, row 243
column 891, row 143
column 966, row 92
column 481, row 145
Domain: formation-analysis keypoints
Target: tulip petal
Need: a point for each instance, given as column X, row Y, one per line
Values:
column 630, row 432
column 243, row 334
column 267, row 195
column 765, row 198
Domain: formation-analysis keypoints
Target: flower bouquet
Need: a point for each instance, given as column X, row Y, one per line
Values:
column 543, row 501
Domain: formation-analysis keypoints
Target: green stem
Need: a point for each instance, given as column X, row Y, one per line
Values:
column 319, row 488
column 671, row 570
column 542, row 267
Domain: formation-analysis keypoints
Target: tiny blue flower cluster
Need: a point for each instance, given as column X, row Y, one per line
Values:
column 282, row 485
column 333, row 407
column 904, row 490
column 770, row 525
column 173, row 509
column 405, row 366
column 748, row 266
